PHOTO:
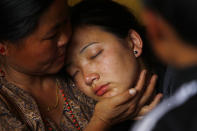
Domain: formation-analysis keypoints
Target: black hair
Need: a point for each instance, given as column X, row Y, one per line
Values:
column 180, row 14
column 19, row 18
column 111, row 17
column 107, row 14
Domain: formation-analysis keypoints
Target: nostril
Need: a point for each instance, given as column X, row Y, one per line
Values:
column 91, row 78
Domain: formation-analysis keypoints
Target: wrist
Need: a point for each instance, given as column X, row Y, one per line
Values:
column 97, row 124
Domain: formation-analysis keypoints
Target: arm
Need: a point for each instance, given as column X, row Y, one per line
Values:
column 97, row 124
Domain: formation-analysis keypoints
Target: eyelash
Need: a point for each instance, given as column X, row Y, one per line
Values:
column 53, row 36
column 73, row 76
column 92, row 57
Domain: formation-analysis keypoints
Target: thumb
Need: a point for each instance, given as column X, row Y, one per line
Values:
column 125, row 96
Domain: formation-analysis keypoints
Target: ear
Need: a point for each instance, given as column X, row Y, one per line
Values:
column 3, row 48
column 135, row 42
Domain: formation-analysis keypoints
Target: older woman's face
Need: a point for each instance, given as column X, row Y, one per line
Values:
column 99, row 63
column 43, row 52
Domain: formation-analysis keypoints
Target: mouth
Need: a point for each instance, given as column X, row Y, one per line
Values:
column 101, row 90
column 61, row 57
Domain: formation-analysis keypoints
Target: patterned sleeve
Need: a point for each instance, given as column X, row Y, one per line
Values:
column 8, row 122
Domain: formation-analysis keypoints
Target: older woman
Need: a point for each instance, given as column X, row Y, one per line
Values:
column 33, row 35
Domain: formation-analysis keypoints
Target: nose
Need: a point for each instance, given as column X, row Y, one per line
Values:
column 65, row 35
column 90, row 78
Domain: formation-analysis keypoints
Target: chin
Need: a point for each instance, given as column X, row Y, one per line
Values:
column 55, row 70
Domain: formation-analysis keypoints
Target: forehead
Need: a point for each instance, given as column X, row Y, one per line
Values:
column 88, row 34
column 56, row 13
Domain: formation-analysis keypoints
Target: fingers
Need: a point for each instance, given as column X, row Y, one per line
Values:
column 124, row 97
column 146, row 109
column 138, row 118
column 132, row 104
column 140, row 84
column 156, row 101
column 149, row 90
column 116, row 108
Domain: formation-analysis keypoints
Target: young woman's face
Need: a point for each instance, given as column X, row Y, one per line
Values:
column 44, row 50
column 100, row 64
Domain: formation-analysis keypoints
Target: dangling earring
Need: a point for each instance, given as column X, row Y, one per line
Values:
column 135, row 52
column 2, row 50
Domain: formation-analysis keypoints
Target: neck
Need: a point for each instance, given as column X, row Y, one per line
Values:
column 26, row 81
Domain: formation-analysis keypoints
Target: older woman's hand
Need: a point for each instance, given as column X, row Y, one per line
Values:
column 112, row 110
column 146, row 96
column 124, row 106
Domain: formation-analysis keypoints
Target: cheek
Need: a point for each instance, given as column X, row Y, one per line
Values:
column 121, row 69
column 48, row 49
column 45, row 55
column 42, row 56
column 83, row 87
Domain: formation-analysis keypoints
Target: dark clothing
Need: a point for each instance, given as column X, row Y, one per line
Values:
column 182, row 118
column 175, row 78
column 123, row 126
column 168, row 85
column 179, row 112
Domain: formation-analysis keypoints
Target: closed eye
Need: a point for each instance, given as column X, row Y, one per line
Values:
column 94, row 56
column 74, row 75
column 52, row 36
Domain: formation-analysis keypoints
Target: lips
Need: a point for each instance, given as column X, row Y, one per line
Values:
column 61, row 56
column 101, row 90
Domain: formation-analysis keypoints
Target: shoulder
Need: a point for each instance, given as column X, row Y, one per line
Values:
column 15, row 104
column 8, row 121
column 181, row 118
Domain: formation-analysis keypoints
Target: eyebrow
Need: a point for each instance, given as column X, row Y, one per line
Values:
column 85, row 47
column 81, row 51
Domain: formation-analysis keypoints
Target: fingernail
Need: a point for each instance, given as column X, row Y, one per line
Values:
column 156, row 77
column 132, row 91
column 145, row 71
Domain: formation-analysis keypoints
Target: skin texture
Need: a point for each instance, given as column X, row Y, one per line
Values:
column 101, row 64
column 32, row 62
column 44, row 50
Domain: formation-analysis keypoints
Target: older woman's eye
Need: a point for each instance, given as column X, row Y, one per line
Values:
column 54, row 36
column 97, row 54
column 74, row 75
